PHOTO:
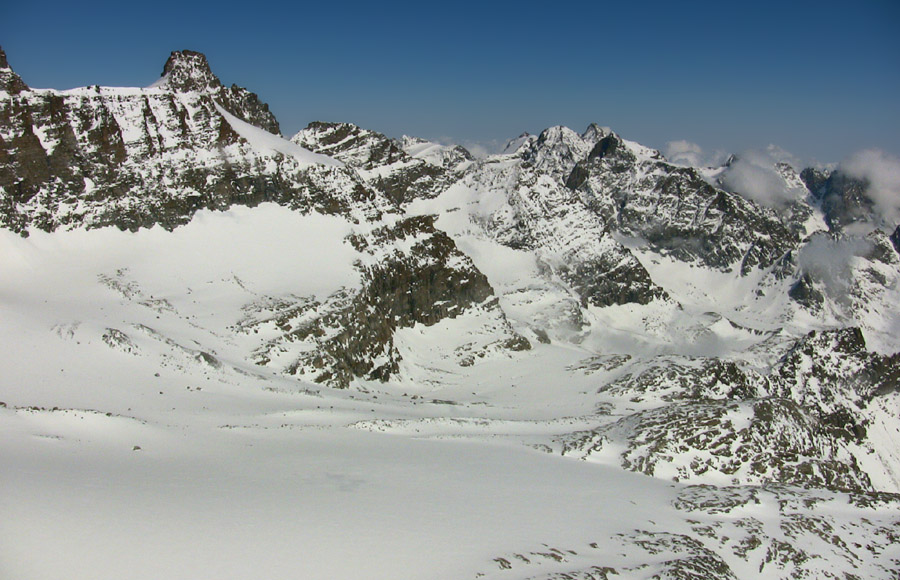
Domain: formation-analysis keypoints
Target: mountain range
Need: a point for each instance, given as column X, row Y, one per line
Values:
column 576, row 302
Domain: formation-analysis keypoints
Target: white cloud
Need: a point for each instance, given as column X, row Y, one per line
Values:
column 691, row 155
column 684, row 153
column 481, row 149
column 882, row 171
column 774, row 154
column 830, row 260
column 755, row 175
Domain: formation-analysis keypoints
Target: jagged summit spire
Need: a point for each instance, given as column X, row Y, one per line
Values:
column 188, row 70
column 9, row 80
column 595, row 132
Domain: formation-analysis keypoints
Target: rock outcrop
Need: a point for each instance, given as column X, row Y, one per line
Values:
column 381, row 161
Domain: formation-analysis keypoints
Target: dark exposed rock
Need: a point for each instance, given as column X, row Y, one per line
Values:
column 606, row 147
column 880, row 248
column 767, row 439
column 578, row 176
column 353, row 331
column 805, row 292
column 895, row 239
column 420, row 287
column 843, row 198
column 9, row 80
column 186, row 70
column 606, row 280
column 814, row 180
column 833, row 371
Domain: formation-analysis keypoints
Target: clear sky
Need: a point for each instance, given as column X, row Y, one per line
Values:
column 820, row 79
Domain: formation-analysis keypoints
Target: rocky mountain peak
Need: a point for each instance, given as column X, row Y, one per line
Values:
column 447, row 156
column 187, row 70
column 400, row 175
column 9, row 80
column 556, row 151
column 350, row 144
column 558, row 136
column 513, row 145
column 595, row 132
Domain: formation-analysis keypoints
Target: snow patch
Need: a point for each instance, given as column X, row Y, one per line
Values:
column 262, row 140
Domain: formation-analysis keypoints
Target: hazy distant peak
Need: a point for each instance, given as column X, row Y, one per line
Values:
column 513, row 145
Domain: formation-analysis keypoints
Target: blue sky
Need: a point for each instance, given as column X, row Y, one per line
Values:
column 820, row 79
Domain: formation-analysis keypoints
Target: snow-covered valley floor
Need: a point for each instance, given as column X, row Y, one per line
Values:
column 137, row 441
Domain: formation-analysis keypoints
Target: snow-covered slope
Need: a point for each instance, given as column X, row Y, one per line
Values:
column 231, row 355
column 447, row 156
column 383, row 162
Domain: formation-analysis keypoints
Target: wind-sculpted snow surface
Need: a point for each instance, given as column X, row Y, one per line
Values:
column 226, row 354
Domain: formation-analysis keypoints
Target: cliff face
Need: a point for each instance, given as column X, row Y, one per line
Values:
column 675, row 210
column 411, row 274
column 188, row 71
column 10, row 82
